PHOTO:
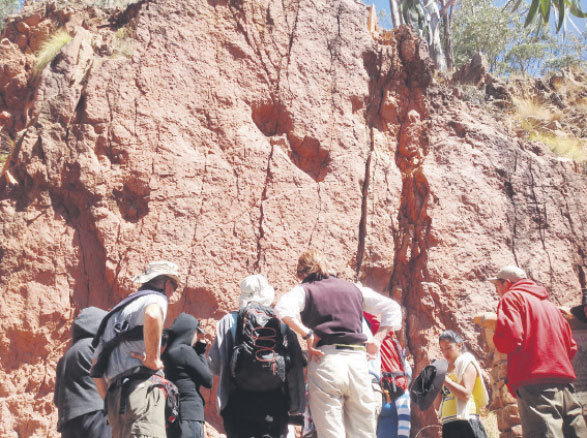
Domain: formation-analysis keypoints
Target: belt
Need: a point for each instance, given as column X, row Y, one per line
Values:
column 124, row 380
column 356, row 347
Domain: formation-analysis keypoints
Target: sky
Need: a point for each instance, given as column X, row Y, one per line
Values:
column 384, row 5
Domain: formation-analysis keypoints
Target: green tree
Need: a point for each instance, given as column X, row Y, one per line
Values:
column 541, row 11
column 480, row 26
column 510, row 47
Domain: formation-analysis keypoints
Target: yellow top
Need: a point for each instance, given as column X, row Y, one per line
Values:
column 448, row 410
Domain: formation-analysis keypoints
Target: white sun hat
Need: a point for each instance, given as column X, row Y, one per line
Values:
column 256, row 288
column 156, row 269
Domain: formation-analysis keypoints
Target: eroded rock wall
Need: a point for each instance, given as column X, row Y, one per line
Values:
column 228, row 136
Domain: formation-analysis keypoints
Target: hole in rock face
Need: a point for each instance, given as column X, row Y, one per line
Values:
column 271, row 118
column 309, row 156
column 131, row 205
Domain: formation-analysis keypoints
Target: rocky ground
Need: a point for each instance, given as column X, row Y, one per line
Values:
column 228, row 136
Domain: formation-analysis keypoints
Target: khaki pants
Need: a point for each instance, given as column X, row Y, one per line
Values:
column 550, row 411
column 341, row 395
column 144, row 414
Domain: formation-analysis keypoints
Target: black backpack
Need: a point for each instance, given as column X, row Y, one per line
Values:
column 259, row 360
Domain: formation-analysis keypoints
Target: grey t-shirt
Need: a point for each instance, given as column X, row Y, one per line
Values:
column 134, row 313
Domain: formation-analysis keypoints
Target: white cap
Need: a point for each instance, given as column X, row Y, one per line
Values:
column 510, row 272
column 256, row 288
column 157, row 269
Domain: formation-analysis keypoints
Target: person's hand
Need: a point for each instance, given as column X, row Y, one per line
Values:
column 566, row 312
column 154, row 364
column 372, row 346
column 313, row 352
column 200, row 347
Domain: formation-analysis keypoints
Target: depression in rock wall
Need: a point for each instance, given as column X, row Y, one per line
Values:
column 229, row 136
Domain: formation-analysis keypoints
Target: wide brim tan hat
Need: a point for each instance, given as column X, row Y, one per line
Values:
column 256, row 288
column 510, row 272
column 157, row 269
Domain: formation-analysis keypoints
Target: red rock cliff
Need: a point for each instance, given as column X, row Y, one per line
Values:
column 229, row 136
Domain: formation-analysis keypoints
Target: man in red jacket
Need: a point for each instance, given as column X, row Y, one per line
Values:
column 540, row 346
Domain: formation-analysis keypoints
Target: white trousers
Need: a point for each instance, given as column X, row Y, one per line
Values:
column 342, row 401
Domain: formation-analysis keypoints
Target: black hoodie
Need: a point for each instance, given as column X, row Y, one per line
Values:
column 187, row 369
column 75, row 391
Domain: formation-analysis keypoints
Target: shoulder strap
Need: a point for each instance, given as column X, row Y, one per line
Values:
column 233, row 329
column 125, row 302
column 99, row 368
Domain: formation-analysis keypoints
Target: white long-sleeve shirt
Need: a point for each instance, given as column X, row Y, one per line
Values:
column 390, row 312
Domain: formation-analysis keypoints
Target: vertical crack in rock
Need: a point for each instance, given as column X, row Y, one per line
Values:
column 540, row 218
column 509, row 189
column 318, row 216
column 293, row 30
column 364, row 207
column 566, row 213
column 406, row 74
column 200, row 212
column 262, row 213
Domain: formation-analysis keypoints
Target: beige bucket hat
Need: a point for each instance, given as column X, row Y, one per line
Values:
column 156, row 269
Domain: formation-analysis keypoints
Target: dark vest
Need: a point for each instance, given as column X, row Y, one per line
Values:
column 334, row 310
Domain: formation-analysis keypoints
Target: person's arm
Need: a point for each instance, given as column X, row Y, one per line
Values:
column 288, row 309
column 57, row 382
column 101, row 386
column 509, row 330
column 100, row 382
column 573, row 347
column 464, row 388
column 311, row 341
column 222, row 345
column 152, row 329
column 197, row 368
column 390, row 312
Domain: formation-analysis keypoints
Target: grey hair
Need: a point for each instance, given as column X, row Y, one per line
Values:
column 452, row 336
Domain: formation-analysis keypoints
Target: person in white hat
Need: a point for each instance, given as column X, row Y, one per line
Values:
column 540, row 346
column 128, row 354
column 256, row 411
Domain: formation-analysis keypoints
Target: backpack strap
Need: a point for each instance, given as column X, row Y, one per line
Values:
column 123, row 334
column 125, row 302
column 234, row 326
column 99, row 368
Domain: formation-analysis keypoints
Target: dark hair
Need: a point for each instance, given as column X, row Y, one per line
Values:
column 453, row 337
column 166, row 337
column 158, row 283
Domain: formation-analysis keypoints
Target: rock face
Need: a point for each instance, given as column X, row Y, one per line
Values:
column 228, row 136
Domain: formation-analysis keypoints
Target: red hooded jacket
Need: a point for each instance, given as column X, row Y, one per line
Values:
column 536, row 337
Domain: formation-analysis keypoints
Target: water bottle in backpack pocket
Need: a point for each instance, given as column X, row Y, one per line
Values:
column 259, row 360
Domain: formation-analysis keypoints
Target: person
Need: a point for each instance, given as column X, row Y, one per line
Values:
column 539, row 346
column 186, row 365
column 79, row 405
column 327, row 312
column 128, row 355
column 580, row 311
column 393, row 373
column 463, row 393
column 255, row 413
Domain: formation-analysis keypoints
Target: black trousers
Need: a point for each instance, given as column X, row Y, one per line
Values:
column 90, row 425
column 256, row 414
column 473, row 428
